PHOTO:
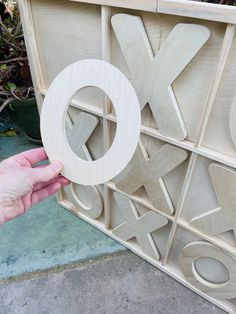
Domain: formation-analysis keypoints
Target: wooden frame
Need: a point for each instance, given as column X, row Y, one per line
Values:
column 204, row 93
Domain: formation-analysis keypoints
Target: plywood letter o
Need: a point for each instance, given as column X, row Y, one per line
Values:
column 198, row 249
column 95, row 207
column 103, row 75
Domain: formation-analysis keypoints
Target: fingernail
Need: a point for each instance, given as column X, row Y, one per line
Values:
column 56, row 166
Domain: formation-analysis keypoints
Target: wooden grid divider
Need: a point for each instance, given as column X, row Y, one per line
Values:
column 224, row 53
column 32, row 50
column 175, row 7
column 185, row 144
column 106, row 43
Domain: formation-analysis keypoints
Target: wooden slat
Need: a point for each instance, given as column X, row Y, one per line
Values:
column 145, row 5
column 32, row 49
column 182, row 197
column 206, row 11
column 106, row 53
column 202, row 151
column 224, row 53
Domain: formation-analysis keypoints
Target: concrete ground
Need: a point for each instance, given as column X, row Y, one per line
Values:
column 53, row 262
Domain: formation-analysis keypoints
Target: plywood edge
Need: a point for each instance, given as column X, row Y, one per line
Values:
column 144, row 5
column 227, row 247
column 32, row 49
column 201, row 150
column 182, row 197
column 200, row 10
column 223, row 57
column 138, row 200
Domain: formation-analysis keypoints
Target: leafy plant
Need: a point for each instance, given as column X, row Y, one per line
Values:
column 15, row 78
column 225, row 2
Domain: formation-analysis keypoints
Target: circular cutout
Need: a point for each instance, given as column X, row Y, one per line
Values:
column 211, row 270
column 200, row 249
column 103, row 75
column 88, row 200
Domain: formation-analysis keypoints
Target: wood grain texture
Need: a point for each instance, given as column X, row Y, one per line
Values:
column 192, row 85
column 78, row 132
column 198, row 249
column 138, row 227
column 32, row 49
column 180, row 204
column 79, row 41
column 198, row 10
column 107, row 106
column 106, row 77
column 222, row 218
column 86, row 34
column 148, row 72
column 147, row 5
column 193, row 9
column 223, row 57
column 88, row 200
column 148, row 172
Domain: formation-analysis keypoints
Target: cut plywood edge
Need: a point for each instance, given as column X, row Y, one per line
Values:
column 195, row 9
column 199, row 10
column 145, row 5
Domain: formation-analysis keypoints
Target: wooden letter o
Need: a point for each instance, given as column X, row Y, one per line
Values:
column 108, row 78
column 95, row 209
column 198, row 249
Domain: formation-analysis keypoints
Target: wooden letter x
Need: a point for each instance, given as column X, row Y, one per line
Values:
column 152, row 76
column 77, row 136
column 223, row 218
column 148, row 172
column 79, row 133
column 138, row 227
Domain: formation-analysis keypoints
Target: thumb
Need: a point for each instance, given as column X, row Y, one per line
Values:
column 47, row 173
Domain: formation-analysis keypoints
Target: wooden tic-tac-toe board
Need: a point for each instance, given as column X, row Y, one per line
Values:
column 175, row 202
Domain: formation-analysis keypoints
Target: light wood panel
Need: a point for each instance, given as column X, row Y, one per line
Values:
column 106, row 77
column 32, row 49
column 78, row 130
column 195, row 9
column 207, row 11
column 200, row 249
column 107, row 107
column 184, row 41
column 148, row 172
column 192, row 191
column 211, row 125
column 137, row 226
column 192, row 85
column 60, row 21
column 147, row 5
column 222, row 218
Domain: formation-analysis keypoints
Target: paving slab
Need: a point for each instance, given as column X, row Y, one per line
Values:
column 123, row 284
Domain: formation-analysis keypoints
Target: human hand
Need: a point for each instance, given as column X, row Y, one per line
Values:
column 22, row 184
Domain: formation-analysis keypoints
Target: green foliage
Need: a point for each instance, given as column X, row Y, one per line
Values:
column 224, row 2
column 15, row 78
